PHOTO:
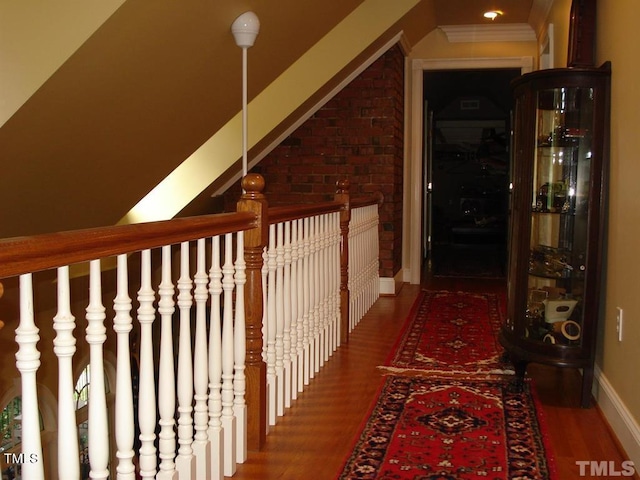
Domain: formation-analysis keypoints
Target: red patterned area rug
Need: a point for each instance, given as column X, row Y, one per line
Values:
column 452, row 333
column 448, row 429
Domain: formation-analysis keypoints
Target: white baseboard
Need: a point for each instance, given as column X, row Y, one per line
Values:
column 624, row 426
column 391, row 285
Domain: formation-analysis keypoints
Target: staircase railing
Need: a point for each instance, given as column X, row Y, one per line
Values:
column 233, row 315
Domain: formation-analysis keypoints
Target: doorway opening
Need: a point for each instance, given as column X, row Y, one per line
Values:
column 468, row 119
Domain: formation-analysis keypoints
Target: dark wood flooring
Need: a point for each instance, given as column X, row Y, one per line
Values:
column 315, row 435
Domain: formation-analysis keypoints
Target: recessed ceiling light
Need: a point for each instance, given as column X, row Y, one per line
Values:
column 492, row 14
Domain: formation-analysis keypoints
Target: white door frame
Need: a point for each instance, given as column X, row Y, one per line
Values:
column 413, row 181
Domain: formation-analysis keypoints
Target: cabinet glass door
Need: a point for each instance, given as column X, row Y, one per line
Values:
column 559, row 208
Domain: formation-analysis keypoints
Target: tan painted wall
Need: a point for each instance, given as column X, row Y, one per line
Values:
column 618, row 38
column 559, row 17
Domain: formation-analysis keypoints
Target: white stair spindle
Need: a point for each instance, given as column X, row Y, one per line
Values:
column 306, row 269
column 280, row 319
column 294, row 310
column 185, row 460
column 146, row 395
column 166, row 373
column 315, row 297
column 228, row 419
column 337, row 276
column 122, row 325
column 64, row 348
column 300, row 304
column 96, row 336
column 240, row 352
column 286, row 359
column 201, row 445
column 324, row 308
column 215, row 364
column 28, row 362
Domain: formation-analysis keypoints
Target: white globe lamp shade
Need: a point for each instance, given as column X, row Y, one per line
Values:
column 245, row 29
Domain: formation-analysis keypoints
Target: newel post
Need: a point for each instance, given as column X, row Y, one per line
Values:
column 252, row 200
column 342, row 195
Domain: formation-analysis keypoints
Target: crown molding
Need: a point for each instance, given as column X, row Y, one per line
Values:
column 513, row 32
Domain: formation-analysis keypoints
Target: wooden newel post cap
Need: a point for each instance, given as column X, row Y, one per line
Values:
column 343, row 186
column 253, row 184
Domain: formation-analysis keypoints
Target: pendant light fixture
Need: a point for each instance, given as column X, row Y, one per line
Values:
column 245, row 29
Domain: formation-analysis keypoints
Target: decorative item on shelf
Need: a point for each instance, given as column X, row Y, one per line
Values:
column 570, row 330
column 553, row 198
column 558, row 310
column 563, row 333
column 550, row 262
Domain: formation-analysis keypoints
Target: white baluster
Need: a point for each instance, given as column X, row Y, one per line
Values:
column 96, row 336
column 146, row 396
column 28, row 362
column 228, row 419
column 315, row 296
column 331, row 277
column 300, row 305
column 324, row 306
column 240, row 352
column 272, row 386
column 166, row 373
column 306, row 275
column 64, row 348
column 328, row 269
column 286, row 359
column 185, row 461
column 201, row 447
column 215, row 364
column 337, row 277
column 122, row 325
column 280, row 319
column 294, row 310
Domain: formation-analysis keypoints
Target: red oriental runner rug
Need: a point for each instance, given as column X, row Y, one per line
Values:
column 448, row 429
column 452, row 333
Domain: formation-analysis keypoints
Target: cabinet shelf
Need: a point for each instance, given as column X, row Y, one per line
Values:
column 557, row 224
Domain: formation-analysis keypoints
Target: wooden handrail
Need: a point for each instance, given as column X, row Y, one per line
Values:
column 21, row 255
column 377, row 198
column 286, row 213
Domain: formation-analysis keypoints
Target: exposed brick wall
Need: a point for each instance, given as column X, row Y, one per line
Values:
column 357, row 135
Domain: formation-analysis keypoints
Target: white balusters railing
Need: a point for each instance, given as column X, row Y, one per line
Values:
column 64, row 348
column 166, row 373
column 364, row 284
column 28, row 362
column 240, row 352
column 212, row 436
column 187, row 371
column 147, row 391
column 228, row 419
column 96, row 336
column 215, row 363
column 201, row 447
column 122, row 325
column 301, row 317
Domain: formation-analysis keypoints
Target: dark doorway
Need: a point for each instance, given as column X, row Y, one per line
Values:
column 468, row 170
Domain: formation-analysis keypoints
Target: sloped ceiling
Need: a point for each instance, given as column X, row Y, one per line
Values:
column 152, row 84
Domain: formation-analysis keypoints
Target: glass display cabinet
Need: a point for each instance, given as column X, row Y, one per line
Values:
column 560, row 165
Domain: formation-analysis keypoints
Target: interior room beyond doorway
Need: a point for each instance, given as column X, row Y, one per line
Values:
column 468, row 165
